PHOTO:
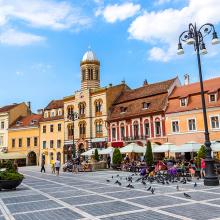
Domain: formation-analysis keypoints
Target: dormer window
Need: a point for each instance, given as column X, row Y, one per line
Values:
column 183, row 102
column 123, row 109
column 59, row 112
column 18, row 123
column 213, row 97
column 52, row 114
column 45, row 114
column 146, row 105
column 33, row 122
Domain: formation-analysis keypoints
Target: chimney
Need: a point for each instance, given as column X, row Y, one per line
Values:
column 123, row 81
column 40, row 111
column 29, row 105
column 186, row 79
column 110, row 85
column 145, row 83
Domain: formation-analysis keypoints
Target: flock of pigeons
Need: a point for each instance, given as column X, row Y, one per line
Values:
column 160, row 180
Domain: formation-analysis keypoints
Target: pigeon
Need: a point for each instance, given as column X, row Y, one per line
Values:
column 112, row 177
column 116, row 182
column 152, row 190
column 149, row 188
column 143, row 183
column 117, row 175
column 177, row 188
column 167, row 182
column 119, row 183
column 187, row 195
column 195, row 184
column 132, row 174
column 198, row 178
column 138, row 179
column 130, row 186
column 107, row 181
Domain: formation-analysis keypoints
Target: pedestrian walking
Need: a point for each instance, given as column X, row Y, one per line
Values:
column 57, row 167
column 43, row 166
column 52, row 167
column 74, row 166
column 109, row 161
column 202, row 168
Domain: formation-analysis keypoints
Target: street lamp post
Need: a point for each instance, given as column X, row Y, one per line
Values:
column 194, row 36
column 73, row 116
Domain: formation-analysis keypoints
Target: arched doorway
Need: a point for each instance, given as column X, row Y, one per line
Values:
column 32, row 159
column 81, row 149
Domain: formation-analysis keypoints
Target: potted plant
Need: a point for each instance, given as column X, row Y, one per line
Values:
column 116, row 159
column 9, row 177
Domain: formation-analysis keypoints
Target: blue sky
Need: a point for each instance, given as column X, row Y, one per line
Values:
column 43, row 41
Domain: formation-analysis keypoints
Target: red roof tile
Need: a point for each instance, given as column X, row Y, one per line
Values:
column 55, row 104
column 28, row 121
column 192, row 92
column 145, row 91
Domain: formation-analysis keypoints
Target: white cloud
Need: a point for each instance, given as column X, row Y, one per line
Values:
column 113, row 13
column 165, row 26
column 13, row 37
column 42, row 13
column 161, row 2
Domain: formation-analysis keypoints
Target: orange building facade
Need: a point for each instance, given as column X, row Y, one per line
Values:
column 184, row 116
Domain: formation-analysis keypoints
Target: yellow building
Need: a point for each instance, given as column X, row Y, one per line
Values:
column 23, row 140
column 8, row 115
column 52, row 132
column 92, row 103
column 184, row 116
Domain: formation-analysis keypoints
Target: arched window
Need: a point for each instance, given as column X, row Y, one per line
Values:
column 157, row 127
column 96, row 74
column 147, row 128
column 82, row 129
column 136, row 129
column 122, row 131
column 70, row 109
column 83, row 74
column 70, row 131
column 82, row 107
column 98, row 106
column 98, row 128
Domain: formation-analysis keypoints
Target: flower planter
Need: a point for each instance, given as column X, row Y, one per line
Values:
column 9, row 184
column 116, row 166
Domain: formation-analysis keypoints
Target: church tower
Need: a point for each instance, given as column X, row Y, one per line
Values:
column 90, row 71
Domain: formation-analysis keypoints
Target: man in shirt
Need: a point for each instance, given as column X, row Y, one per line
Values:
column 57, row 167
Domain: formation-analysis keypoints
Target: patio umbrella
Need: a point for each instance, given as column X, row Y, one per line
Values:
column 191, row 146
column 89, row 152
column 132, row 148
column 215, row 147
column 166, row 147
column 108, row 150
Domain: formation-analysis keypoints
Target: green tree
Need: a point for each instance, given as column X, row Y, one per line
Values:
column 117, row 157
column 149, row 155
column 201, row 154
column 96, row 156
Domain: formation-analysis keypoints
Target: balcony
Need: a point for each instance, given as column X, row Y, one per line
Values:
column 134, row 138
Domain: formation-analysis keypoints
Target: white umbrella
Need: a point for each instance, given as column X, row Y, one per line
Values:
column 215, row 147
column 132, row 148
column 187, row 147
column 89, row 152
column 108, row 150
column 163, row 148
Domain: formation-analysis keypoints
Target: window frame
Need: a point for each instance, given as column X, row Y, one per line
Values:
column 214, row 128
column 172, row 126
column 188, row 120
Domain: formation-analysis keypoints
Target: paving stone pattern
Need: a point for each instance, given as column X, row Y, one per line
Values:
column 88, row 196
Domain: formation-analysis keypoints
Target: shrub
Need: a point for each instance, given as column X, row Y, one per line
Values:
column 10, row 167
column 5, row 175
column 96, row 155
column 117, row 157
column 149, row 154
column 201, row 154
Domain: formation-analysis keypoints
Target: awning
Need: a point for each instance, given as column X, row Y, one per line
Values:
column 12, row 156
column 163, row 148
column 133, row 148
column 187, row 147
column 117, row 144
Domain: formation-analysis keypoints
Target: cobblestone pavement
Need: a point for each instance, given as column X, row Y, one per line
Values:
column 89, row 196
